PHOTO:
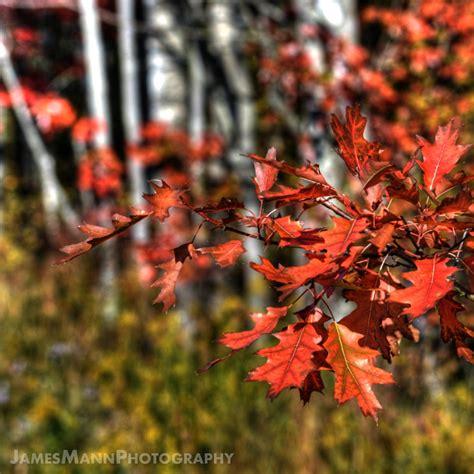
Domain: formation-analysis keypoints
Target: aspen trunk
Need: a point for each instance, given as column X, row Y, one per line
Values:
column 97, row 98
column 224, row 40
column 131, row 116
column 54, row 200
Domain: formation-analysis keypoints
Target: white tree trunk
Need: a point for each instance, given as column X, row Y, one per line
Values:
column 131, row 107
column 97, row 96
column 225, row 39
column 55, row 201
column 166, row 84
column 96, row 78
column 196, row 114
column 340, row 17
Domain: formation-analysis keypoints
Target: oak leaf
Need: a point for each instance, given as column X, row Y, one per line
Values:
column 163, row 198
column 452, row 328
column 291, row 277
column 167, row 283
column 430, row 284
column 290, row 361
column 344, row 233
column 225, row 254
column 354, row 369
column 265, row 323
column 265, row 175
column 97, row 234
column 353, row 148
column 441, row 157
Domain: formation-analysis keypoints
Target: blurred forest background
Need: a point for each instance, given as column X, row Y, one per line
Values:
column 99, row 96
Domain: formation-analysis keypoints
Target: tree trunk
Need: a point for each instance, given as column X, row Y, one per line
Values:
column 224, row 40
column 97, row 96
column 131, row 116
column 55, row 201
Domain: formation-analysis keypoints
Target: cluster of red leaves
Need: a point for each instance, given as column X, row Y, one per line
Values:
column 428, row 60
column 160, row 142
column 100, row 171
column 51, row 112
column 399, row 246
column 86, row 129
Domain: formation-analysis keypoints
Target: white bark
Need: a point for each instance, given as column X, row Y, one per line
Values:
column 340, row 16
column 131, row 107
column 166, row 84
column 196, row 113
column 55, row 201
column 196, row 94
column 224, row 40
column 97, row 96
column 96, row 78
column 341, row 19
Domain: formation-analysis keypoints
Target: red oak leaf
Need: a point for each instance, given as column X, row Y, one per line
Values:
column 291, row 277
column 285, row 227
column 265, row 323
column 167, row 283
column 225, row 254
column 306, row 240
column 163, row 198
column 354, row 149
column 452, row 328
column 462, row 203
column 341, row 236
column 383, row 236
column 441, row 157
column 289, row 362
column 265, row 175
column 430, row 284
column 371, row 311
column 312, row 383
column 97, row 235
column 285, row 195
column 354, row 369
column 310, row 172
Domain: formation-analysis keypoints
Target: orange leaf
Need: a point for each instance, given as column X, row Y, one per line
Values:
column 96, row 234
column 265, row 175
column 225, row 254
column 441, row 157
column 341, row 236
column 354, row 369
column 430, row 284
column 265, row 323
column 167, row 283
column 290, row 361
column 163, row 198
column 354, row 149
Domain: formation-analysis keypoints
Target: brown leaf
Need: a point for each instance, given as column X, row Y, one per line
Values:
column 163, row 198
column 97, row 235
column 225, row 254
column 452, row 328
column 265, row 175
column 354, row 149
